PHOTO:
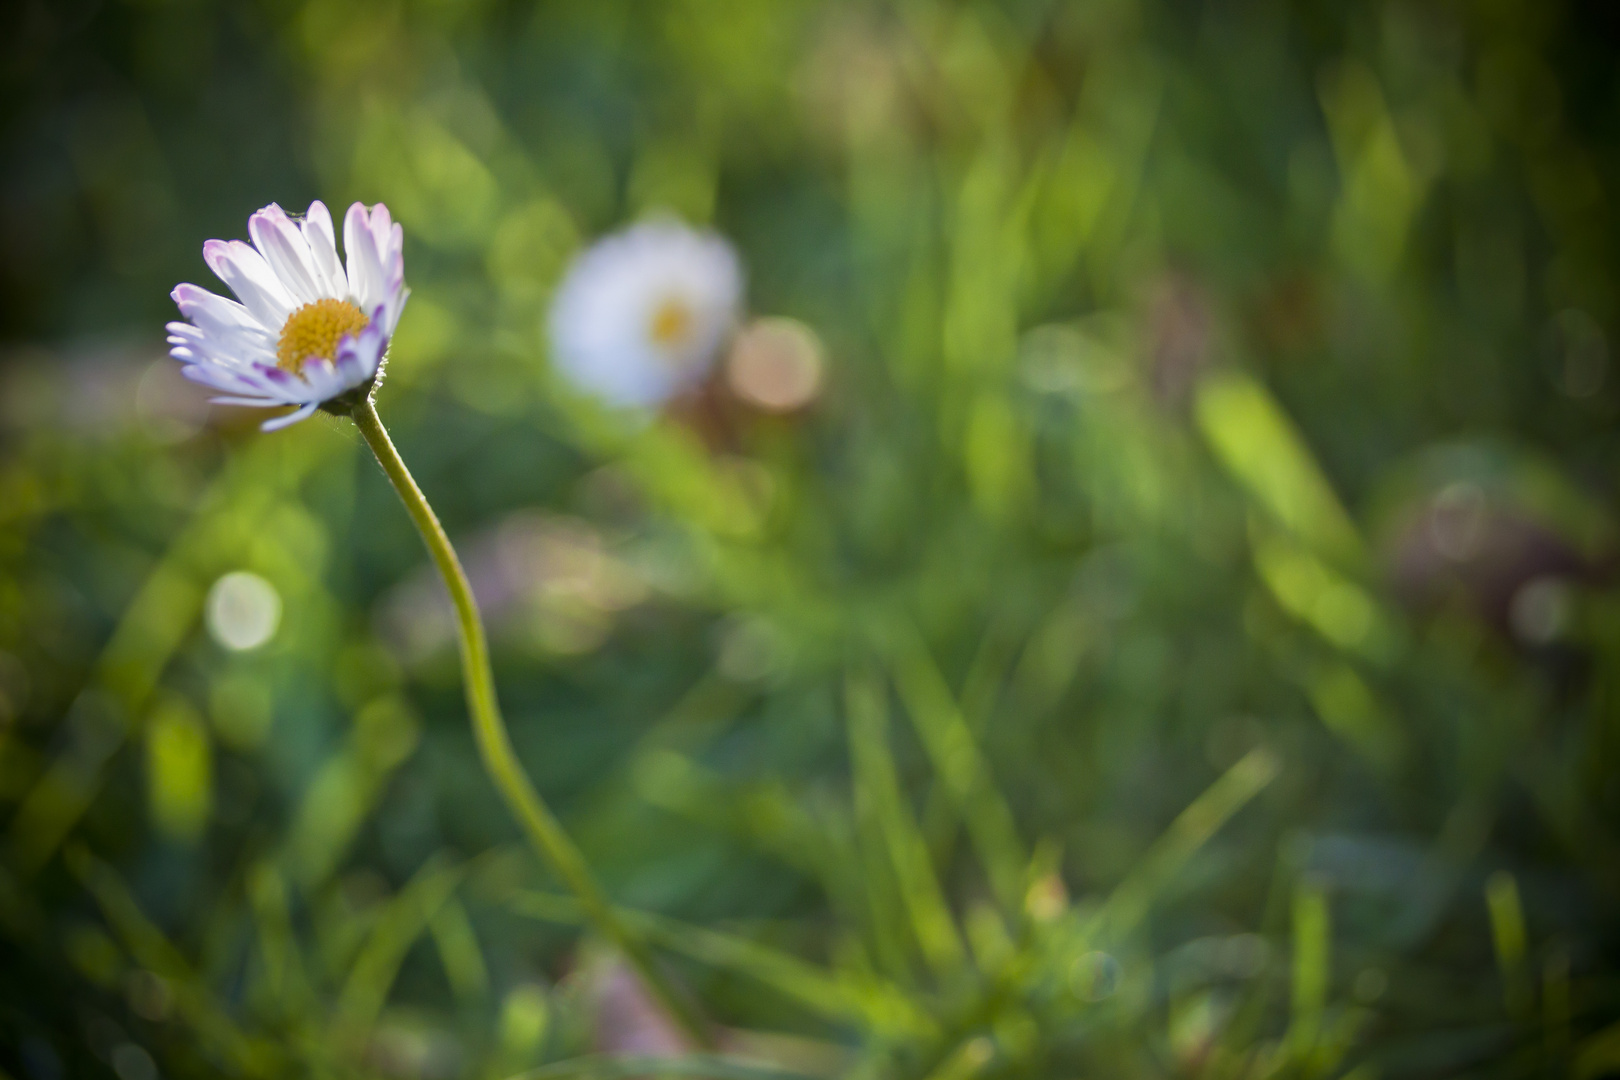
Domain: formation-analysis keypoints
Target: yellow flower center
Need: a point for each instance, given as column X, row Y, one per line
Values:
column 315, row 330
column 671, row 323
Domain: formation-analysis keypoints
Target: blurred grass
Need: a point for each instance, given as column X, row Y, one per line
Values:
column 1180, row 641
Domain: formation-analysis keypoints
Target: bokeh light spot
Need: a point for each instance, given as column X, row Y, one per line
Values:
column 775, row 364
column 243, row 611
column 1539, row 611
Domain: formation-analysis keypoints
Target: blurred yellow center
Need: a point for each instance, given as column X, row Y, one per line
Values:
column 315, row 330
column 671, row 323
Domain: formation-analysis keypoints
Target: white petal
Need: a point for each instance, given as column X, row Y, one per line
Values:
column 230, row 349
column 352, row 370
column 386, row 316
column 291, row 418
column 249, row 381
column 225, row 381
column 204, row 353
column 217, row 315
column 322, row 378
column 360, row 355
column 287, row 386
column 251, row 402
column 394, row 254
column 251, row 279
column 283, row 246
column 366, row 285
column 382, row 225
column 317, row 226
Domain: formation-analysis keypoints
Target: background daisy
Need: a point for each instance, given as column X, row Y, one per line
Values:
column 642, row 314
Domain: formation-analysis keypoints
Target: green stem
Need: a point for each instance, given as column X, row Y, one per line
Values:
column 495, row 745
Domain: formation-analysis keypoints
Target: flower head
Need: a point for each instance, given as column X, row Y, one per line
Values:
column 305, row 330
column 643, row 313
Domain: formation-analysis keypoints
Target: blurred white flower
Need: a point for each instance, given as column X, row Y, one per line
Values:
column 642, row 314
column 305, row 331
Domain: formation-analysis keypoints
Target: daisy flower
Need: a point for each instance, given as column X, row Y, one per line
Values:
column 642, row 314
column 305, row 332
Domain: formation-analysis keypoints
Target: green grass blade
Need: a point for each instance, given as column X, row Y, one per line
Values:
column 1510, row 940
column 1312, row 962
column 459, row 951
column 871, row 1003
column 1191, row 829
column 285, row 981
column 155, row 952
column 1598, row 1055
column 404, row 919
column 878, row 784
column 1259, row 444
column 763, row 812
column 962, row 768
column 982, row 686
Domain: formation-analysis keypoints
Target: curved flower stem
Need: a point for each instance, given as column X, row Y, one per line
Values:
column 495, row 745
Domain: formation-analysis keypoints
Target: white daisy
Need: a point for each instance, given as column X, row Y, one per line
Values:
column 305, row 331
column 643, row 313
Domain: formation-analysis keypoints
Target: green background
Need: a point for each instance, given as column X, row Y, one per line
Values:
column 1180, row 640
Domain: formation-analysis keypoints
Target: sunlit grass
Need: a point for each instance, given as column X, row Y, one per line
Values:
column 1157, row 622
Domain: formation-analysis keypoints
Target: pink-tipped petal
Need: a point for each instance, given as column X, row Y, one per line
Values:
column 210, row 311
column 279, row 376
column 322, row 241
column 283, row 246
column 291, row 418
column 246, row 273
column 218, row 379
column 351, row 370
column 393, row 265
column 382, row 223
column 224, row 332
column 228, row 380
column 224, row 357
column 388, row 312
column 321, row 376
column 362, row 353
column 366, row 284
